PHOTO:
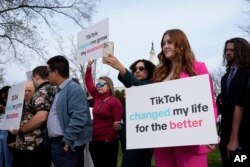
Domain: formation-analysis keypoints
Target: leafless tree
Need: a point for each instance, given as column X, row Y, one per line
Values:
column 216, row 77
column 246, row 28
column 70, row 51
column 22, row 24
column 1, row 76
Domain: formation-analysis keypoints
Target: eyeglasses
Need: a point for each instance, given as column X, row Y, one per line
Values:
column 100, row 84
column 139, row 68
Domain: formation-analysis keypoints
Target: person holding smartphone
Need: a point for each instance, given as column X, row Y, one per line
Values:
column 141, row 72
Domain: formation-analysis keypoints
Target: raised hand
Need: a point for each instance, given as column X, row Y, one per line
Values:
column 90, row 62
column 115, row 63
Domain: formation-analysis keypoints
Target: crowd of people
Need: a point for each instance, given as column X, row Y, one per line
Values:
column 56, row 123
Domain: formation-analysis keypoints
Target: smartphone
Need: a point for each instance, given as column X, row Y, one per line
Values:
column 108, row 48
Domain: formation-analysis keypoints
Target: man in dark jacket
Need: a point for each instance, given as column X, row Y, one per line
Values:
column 233, row 89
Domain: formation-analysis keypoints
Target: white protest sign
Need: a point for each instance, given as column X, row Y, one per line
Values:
column 171, row 113
column 14, row 107
column 90, row 41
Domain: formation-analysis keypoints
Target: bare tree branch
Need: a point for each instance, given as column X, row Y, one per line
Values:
column 22, row 23
column 216, row 77
column 246, row 28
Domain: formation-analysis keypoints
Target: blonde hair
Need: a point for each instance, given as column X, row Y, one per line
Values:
column 110, row 84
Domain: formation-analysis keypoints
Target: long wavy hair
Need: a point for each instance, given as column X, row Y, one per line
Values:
column 241, row 53
column 184, row 54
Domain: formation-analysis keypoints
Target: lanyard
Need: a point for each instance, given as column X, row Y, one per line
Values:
column 101, row 104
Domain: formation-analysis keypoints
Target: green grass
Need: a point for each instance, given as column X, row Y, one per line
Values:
column 119, row 159
column 213, row 159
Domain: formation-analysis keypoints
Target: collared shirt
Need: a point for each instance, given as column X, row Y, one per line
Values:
column 40, row 101
column 234, row 68
column 53, row 124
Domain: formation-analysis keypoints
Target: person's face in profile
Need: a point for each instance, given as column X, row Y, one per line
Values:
column 229, row 52
column 168, row 48
column 52, row 75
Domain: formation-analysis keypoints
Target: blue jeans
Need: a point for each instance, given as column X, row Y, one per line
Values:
column 5, row 154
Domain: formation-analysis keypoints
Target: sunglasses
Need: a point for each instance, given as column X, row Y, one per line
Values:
column 100, row 84
column 139, row 68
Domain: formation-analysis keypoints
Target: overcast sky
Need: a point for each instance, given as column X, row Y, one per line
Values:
column 134, row 25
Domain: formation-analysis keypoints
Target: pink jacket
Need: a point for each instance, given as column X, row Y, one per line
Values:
column 200, row 68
